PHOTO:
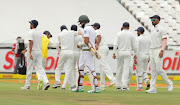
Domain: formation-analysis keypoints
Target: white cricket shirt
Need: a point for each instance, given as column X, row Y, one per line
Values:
column 143, row 44
column 103, row 42
column 66, row 40
column 125, row 41
column 77, row 39
column 89, row 32
column 157, row 35
column 36, row 37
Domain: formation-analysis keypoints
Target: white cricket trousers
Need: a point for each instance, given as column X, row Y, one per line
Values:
column 123, row 69
column 87, row 59
column 156, row 68
column 142, row 66
column 37, row 62
column 73, row 80
column 43, row 65
column 104, row 66
column 66, row 57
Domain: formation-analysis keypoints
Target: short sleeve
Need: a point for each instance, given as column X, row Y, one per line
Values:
column 164, row 34
column 30, row 37
column 86, row 32
column 98, row 32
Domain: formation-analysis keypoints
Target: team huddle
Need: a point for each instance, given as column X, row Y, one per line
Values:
column 77, row 49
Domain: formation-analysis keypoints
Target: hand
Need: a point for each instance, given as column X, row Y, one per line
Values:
column 97, row 46
column 78, row 46
column 23, row 52
column 114, row 56
column 80, row 33
column 31, row 57
column 135, row 57
column 161, row 54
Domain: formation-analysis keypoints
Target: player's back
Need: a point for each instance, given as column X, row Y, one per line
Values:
column 66, row 40
column 125, row 40
column 143, row 44
column 77, row 39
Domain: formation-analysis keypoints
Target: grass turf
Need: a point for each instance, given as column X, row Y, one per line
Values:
column 10, row 94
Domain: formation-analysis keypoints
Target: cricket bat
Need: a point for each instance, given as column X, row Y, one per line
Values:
column 94, row 51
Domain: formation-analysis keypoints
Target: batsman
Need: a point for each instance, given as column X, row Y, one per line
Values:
column 86, row 57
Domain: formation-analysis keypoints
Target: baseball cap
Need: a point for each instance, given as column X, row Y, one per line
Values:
column 47, row 32
column 96, row 25
column 125, row 24
column 156, row 17
column 74, row 27
column 141, row 29
column 34, row 23
column 63, row 27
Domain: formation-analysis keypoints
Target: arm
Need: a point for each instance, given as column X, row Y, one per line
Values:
column 86, row 40
column 163, row 47
column 115, row 47
column 30, row 48
column 164, row 43
column 24, row 51
column 98, row 41
column 86, row 36
column 137, row 49
column 134, row 45
column 52, row 44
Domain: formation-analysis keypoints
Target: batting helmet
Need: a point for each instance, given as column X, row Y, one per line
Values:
column 83, row 18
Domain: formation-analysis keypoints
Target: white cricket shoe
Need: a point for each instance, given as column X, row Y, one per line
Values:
column 151, row 91
column 25, row 88
column 91, row 91
column 46, row 86
column 40, row 85
column 102, row 88
column 57, row 85
column 112, row 83
column 124, row 89
column 170, row 87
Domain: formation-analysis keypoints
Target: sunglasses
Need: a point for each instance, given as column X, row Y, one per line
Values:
column 153, row 20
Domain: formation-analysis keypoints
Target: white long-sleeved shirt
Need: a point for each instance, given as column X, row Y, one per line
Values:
column 125, row 41
column 77, row 39
column 66, row 40
column 157, row 35
column 143, row 44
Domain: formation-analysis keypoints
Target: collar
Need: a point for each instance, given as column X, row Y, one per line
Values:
column 157, row 25
column 142, row 35
column 87, row 24
column 65, row 30
column 125, row 30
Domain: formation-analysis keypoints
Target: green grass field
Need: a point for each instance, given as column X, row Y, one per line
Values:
column 10, row 94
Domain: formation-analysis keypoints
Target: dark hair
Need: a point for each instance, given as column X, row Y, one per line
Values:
column 74, row 27
column 18, row 37
column 63, row 27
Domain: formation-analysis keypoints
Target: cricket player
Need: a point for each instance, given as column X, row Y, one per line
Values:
column 34, row 57
column 142, row 57
column 75, row 74
column 45, row 43
column 103, row 50
column 158, row 45
column 66, row 56
column 86, row 57
column 125, row 42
